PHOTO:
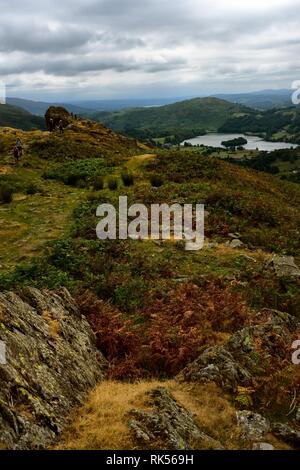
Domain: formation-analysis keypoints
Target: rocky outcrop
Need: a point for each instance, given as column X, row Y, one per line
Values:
column 286, row 433
column 244, row 364
column 57, row 114
column 51, row 363
column 283, row 266
column 168, row 424
column 253, row 426
column 245, row 357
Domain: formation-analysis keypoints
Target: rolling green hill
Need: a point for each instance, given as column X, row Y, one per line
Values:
column 190, row 118
column 11, row 116
column 185, row 118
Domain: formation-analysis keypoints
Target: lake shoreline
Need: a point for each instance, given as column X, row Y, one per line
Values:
column 254, row 141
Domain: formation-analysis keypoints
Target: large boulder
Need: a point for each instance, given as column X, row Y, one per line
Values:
column 57, row 113
column 51, row 363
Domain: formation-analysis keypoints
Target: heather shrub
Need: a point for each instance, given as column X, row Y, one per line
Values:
column 6, row 193
column 98, row 183
column 32, row 189
column 156, row 181
column 127, row 179
column 112, row 183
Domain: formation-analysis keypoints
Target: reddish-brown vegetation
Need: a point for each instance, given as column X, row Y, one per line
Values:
column 168, row 333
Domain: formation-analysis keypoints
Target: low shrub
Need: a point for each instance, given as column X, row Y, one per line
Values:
column 98, row 183
column 81, row 183
column 70, row 173
column 156, row 181
column 32, row 189
column 127, row 179
column 112, row 183
column 6, row 193
column 72, row 179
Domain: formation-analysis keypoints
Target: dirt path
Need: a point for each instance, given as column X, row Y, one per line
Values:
column 135, row 162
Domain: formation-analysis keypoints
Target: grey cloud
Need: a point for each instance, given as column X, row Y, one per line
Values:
column 39, row 38
column 76, row 65
column 191, row 40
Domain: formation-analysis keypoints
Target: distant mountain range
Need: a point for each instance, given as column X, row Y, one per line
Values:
column 265, row 99
column 117, row 104
column 89, row 107
column 39, row 107
column 259, row 112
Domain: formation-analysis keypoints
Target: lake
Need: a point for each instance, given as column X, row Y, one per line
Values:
column 254, row 142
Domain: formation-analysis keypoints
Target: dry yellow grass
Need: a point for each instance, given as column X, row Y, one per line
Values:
column 101, row 424
column 54, row 326
column 213, row 411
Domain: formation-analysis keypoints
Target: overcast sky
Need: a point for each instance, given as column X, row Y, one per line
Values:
column 58, row 49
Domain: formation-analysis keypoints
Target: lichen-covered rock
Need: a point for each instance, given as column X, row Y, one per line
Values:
column 51, row 363
column 286, row 433
column 249, row 354
column 253, row 425
column 168, row 424
column 283, row 266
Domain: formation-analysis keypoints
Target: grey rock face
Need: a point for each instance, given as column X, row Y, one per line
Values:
column 168, row 423
column 286, row 434
column 51, row 363
column 253, row 425
column 284, row 266
column 239, row 361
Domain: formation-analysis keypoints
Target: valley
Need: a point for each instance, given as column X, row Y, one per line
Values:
column 203, row 336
